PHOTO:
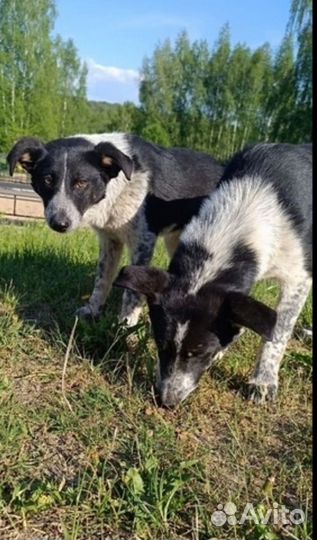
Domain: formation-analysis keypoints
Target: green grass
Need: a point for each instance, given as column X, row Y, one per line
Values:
column 118, row 466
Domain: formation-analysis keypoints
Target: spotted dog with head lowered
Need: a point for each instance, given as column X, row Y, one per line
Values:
column 129, row 190
column 257, row 224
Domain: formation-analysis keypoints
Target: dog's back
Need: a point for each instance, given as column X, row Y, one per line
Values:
column 286, row 166
column 176, row 173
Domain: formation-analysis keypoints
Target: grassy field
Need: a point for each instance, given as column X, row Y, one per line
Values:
column 116, row 465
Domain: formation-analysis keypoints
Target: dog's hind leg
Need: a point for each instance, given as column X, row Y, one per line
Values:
column 109, row 258
column 264, row 381
column 142, row 253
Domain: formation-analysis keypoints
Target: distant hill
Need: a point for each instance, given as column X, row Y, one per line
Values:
column 104, row 104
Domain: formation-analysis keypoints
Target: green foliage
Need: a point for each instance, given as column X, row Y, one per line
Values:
column 221, row 99
column 118, row 465
column 42, row 81
column 212, row 99
column 301, row 26
column 156, row 132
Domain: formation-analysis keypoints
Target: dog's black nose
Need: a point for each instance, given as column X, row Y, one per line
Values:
column 60, row 223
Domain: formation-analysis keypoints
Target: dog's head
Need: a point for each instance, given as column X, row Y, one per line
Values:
column 70, row 175
column 190, row 330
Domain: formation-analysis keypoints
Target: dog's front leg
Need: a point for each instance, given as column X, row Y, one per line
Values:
column 109, row 258
column 264, row 381
column 141, row 254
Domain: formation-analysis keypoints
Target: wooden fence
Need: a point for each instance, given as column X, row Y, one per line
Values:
column 19, row 204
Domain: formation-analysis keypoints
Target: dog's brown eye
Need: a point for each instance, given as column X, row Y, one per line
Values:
column 80, row 184
column 48, row 181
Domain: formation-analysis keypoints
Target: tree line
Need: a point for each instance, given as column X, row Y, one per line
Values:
column 212, row 99
column 42, row 80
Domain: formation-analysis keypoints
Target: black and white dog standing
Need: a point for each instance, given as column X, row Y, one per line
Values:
column 257, row 224
column 127, row 189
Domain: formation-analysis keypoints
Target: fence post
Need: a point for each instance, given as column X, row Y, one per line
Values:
column 15, row 197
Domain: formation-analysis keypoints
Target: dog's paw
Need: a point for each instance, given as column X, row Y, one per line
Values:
column 262, row 393
column 86, row 313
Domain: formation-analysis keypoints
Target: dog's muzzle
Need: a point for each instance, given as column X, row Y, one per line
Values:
column 60, row 222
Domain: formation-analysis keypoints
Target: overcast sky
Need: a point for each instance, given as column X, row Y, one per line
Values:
column 113, row 37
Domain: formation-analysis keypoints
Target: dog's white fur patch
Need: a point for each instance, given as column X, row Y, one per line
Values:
column 176, row 388
column 180, row 334
column 121, row 204
column 245, row 211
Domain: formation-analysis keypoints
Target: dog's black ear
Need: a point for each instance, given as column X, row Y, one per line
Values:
column 113, row 160
column 248, row 312
column 27, row 151
column 142, row 279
